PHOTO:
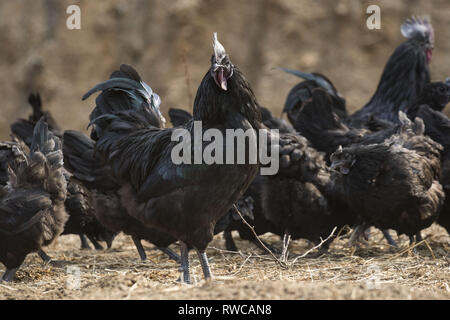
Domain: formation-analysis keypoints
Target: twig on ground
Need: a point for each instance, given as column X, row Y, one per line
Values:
column 257, row 238
column 412, row 247
column 283, row 261
column 315, row 247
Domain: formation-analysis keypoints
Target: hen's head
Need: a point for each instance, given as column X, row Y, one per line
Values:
column 419, row 31
column 438, row 94
column 342, row 161
column 221, row 67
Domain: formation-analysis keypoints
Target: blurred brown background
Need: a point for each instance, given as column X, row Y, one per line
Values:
column 169, row 42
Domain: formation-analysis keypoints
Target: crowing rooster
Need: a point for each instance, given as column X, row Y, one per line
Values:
column 184, row 200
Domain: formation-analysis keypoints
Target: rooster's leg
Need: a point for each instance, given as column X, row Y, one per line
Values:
column 172, row 255
column 45, row 257
column 97, row 245
column 9, row 274
column 229, row 241
column 205, row 264
column 140, row 248
column 84, row 242
column 185, row 262
column 389, row 238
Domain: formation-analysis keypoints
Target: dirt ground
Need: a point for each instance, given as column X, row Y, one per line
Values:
column 368, row 271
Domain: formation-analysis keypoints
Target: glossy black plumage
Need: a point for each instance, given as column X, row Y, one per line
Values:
column 404, row 76
column 183, row 200
column 103, row 192
column 32, row 212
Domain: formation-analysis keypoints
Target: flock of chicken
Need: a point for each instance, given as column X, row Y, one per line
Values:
column 387, row 165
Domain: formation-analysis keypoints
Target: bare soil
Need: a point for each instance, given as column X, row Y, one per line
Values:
column 368, row 271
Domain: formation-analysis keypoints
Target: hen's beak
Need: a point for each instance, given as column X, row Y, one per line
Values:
column 339, row 166
column 221, row 80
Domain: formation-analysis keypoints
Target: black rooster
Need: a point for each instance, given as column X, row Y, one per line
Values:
column 184, row 200
column 32, row 212
column 404, row 76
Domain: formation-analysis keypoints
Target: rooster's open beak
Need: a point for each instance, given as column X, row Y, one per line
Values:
column 220, row 79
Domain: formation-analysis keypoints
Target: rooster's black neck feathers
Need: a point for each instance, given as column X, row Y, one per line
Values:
column 213, row 105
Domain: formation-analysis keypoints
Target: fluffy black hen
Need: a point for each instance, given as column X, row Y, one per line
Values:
column 404, row 76
column 394, row 184
column 184, row 200
column 32, row 212
column 11, row 152
column 437, row 126
column 81, row 221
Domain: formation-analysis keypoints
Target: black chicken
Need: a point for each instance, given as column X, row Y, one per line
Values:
column 394, row 184
column 78, row 202
column 302, row 93
column 404, row 76
column 184, row 200
column 10, row 152
column 32, row 212
column 437, row 126
column 103, row 194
